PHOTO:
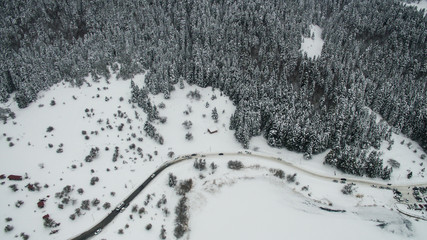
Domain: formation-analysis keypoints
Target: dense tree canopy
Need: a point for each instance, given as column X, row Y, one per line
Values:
column 374, row 60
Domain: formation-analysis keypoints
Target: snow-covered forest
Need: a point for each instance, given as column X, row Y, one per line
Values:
column 373, row 61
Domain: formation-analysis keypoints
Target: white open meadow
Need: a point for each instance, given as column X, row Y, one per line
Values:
column 49, row 142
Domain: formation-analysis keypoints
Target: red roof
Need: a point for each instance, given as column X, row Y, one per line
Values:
column 15, row 177
column 2, row 176
column 40, row 204
column 46, row 216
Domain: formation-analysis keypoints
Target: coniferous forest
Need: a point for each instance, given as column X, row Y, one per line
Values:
column 374, row 61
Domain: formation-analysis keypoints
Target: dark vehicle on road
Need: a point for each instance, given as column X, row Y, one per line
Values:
column 221, row 154
column 193, row 154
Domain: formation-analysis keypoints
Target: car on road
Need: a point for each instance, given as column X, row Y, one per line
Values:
column 97, row 231
column 335, row 181
column 120, row 206
column 221, row 154
column 194, row 154
column 397, row 192
column 152, row 176
column 124, row 207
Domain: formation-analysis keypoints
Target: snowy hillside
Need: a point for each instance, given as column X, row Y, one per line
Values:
column 82, row 150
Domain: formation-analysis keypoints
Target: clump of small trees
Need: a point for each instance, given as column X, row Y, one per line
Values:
column 94, row 180
column 189, row 136
column 152, row 132
column 235, row 165
column 8, row 228
column 92, row 155
column 214, row 114
column 162, row 232
column 278, row 173
column 194, row 95
column 347, row 189
column 187, row 124
column 181, row 221
column 291, row 178
column 184, row 187
column 200, row 164
column 172, row 180
column 50, row 223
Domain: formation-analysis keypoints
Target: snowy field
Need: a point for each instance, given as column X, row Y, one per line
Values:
column 312, row 46
column 48, row 143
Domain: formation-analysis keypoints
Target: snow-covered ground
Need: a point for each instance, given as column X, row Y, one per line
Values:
column 421, row 5
column 262, row 209
column 312, row 46
column 56, row 157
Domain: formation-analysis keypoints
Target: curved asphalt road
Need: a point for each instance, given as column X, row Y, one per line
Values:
column 110, row 217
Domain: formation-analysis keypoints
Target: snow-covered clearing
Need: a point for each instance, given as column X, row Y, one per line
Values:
column 258, row 209
column 312, row 46
column 99, row 115
column 421, row 5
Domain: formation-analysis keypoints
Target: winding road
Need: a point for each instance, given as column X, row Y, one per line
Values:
column 93, row 231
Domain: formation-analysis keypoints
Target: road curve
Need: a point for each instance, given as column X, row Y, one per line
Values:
column 104, row 222
column 110, row 217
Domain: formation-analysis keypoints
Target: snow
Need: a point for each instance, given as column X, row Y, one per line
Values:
column 31, row 153
column 283, row 210
column 312, row 46
column 279, row 213
column 421, row 5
